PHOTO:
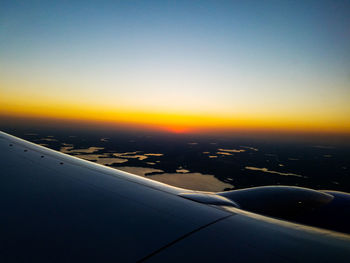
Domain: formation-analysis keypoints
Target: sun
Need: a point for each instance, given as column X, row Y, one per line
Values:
column 177, row 129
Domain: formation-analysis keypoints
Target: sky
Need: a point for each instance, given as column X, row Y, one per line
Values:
column 179, row 66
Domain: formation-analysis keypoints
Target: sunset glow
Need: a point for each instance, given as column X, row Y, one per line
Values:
column 185, row 68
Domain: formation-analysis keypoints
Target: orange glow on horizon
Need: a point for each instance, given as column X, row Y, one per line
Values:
column 177, row 129
column 177, row 122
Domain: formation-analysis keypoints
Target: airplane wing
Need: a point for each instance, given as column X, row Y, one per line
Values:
column 58, row 208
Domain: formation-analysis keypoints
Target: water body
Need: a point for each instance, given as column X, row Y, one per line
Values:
column 193, row 181
column 265, row 170
column 142, row 171
column 71, row 150
column 182, row 179
column 231, row 150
